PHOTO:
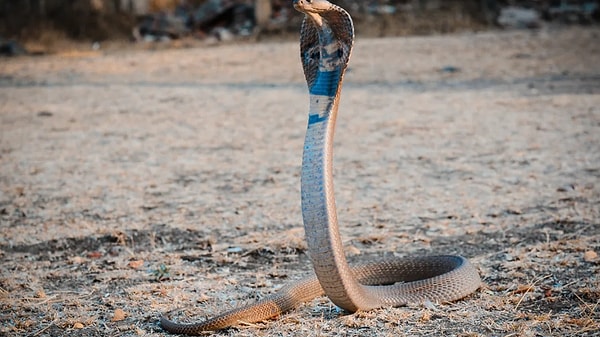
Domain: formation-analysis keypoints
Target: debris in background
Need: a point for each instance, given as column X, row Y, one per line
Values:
column 95, row 21
column 573, row 11
column 11, row 48
column 221, row 19
column 164, row 25
column 519, row 17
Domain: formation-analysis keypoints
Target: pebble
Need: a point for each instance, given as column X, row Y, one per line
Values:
column 234, row 250
column 590, row 256
column 118, row 315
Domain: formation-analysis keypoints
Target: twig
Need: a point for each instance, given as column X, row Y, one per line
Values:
column 43, row 300
column 529, row 288
column 44, row 329
column 587, row 306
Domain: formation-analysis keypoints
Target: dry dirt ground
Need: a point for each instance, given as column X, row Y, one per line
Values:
column 137, row 182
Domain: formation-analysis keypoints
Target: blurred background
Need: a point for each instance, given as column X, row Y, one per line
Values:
column 39, row 25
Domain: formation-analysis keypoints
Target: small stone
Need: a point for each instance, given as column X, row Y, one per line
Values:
column 234, row 250
column 449, row 69
column 566, row 188
column 136, row 264
column 77, row 260
column 118, row 315
column 44, row 113
column 429, row 305
column 78, row 325
column 590, row 256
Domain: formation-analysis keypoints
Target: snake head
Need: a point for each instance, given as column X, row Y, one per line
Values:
column 313, row 8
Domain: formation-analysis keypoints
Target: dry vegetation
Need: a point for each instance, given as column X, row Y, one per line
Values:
column 63, row 24
column 134, row 183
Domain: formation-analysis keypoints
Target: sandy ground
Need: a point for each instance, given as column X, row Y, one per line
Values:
column 137, row 182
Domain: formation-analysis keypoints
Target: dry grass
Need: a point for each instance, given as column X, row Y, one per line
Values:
column 139, row 182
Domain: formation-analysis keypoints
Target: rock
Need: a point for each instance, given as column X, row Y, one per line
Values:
column 118, row 315
column 590, row 256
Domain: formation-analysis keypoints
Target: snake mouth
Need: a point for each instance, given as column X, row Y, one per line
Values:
column 311, row 6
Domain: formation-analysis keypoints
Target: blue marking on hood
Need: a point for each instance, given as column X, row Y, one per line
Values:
column 312, row 119
column 326, row 83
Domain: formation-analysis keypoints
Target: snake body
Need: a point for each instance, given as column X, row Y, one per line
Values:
column 326, row 42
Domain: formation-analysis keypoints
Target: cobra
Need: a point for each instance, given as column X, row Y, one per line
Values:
column 326, row 41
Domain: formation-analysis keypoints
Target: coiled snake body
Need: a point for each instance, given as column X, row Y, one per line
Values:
column 327, row 37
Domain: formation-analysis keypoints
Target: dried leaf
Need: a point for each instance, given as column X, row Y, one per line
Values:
column 136, row 264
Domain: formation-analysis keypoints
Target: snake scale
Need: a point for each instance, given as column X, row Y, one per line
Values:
column 326, row 42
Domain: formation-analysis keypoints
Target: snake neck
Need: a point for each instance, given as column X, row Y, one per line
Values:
column 318, row 200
